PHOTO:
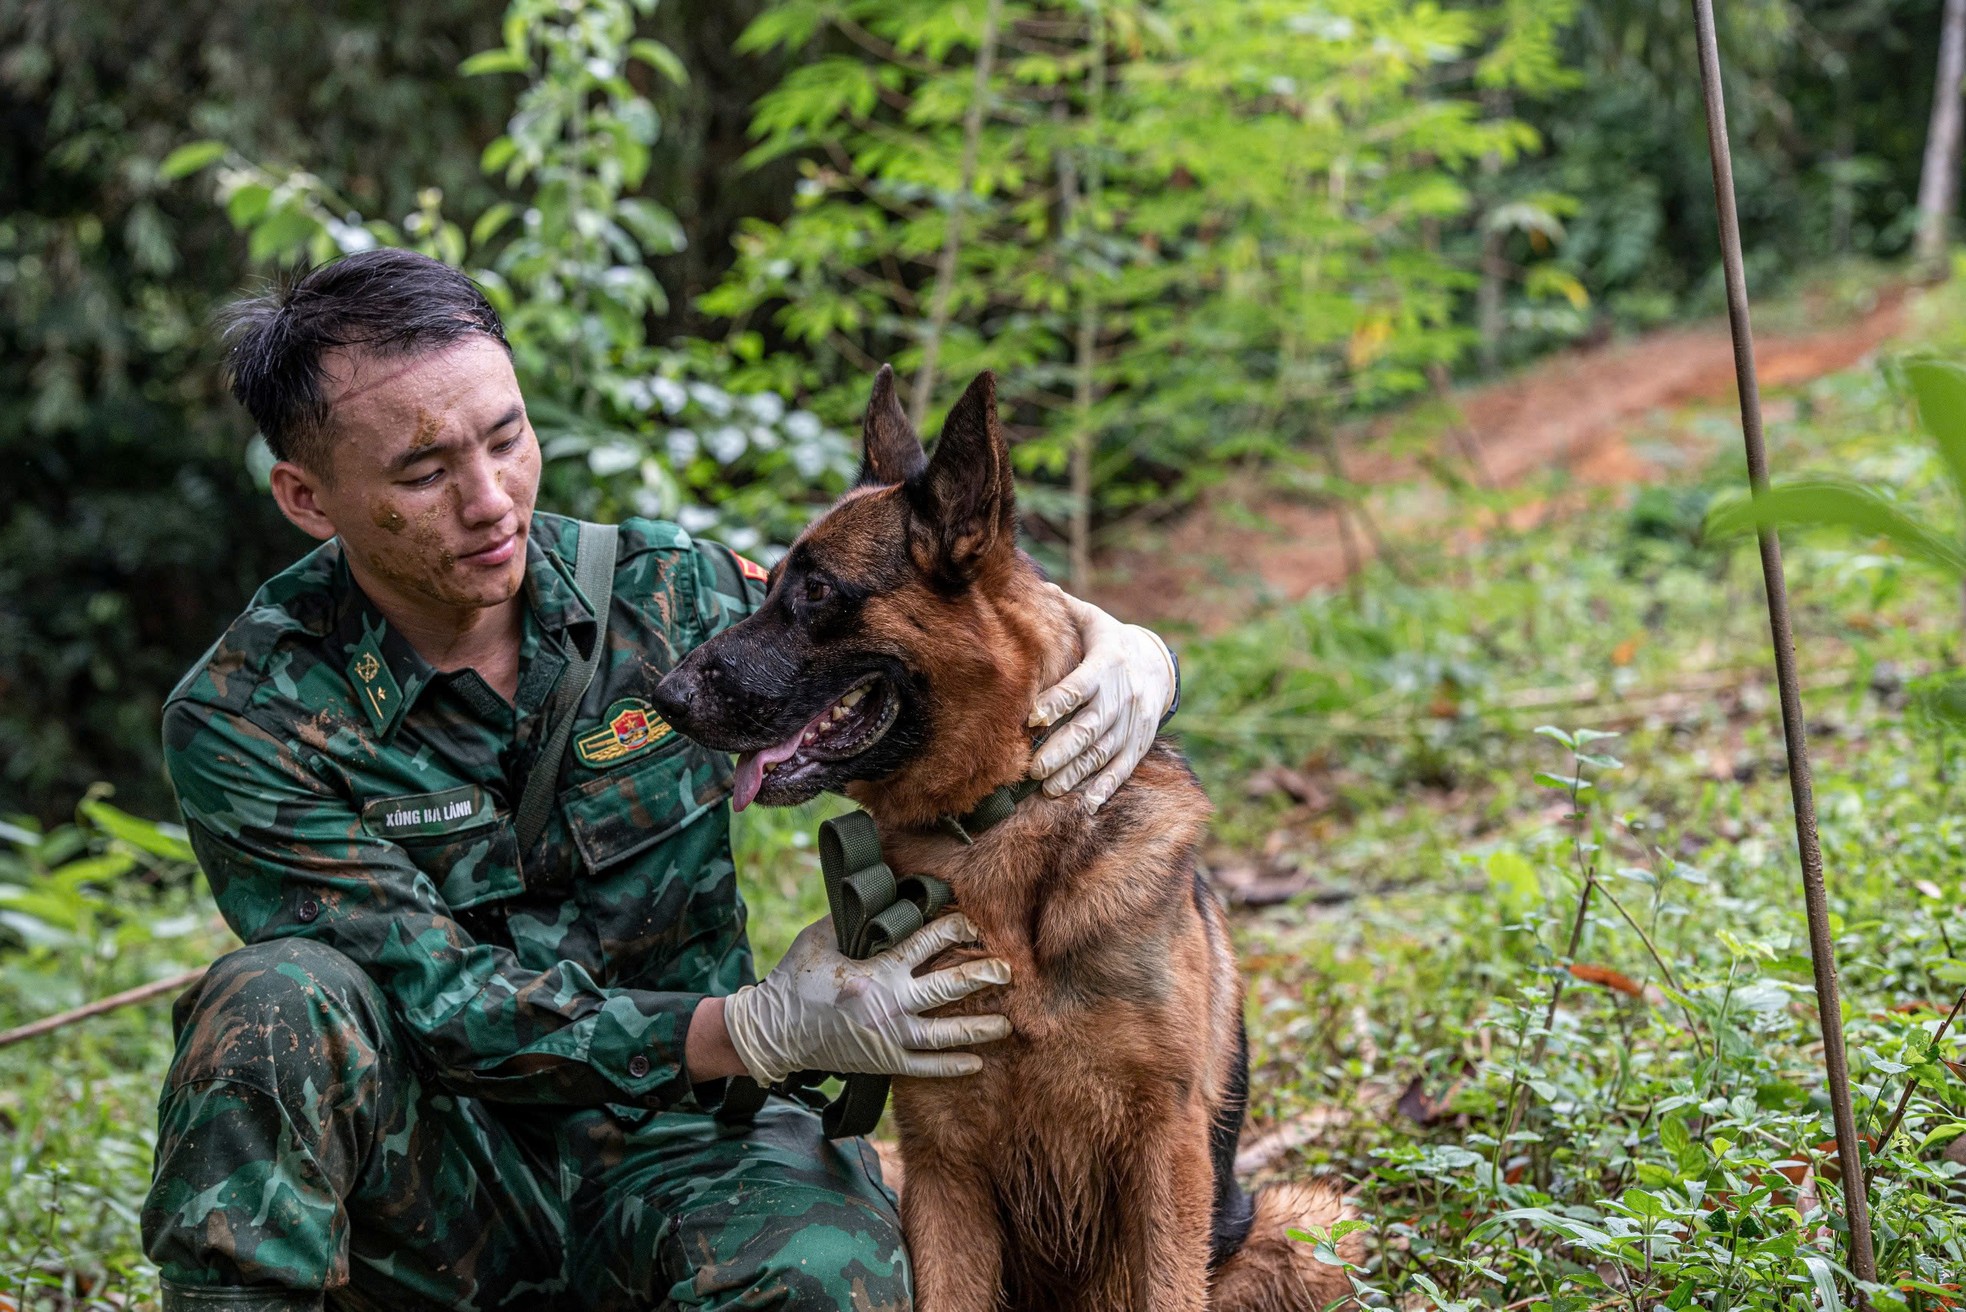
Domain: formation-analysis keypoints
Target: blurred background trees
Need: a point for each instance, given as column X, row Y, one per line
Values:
column 1189, row 233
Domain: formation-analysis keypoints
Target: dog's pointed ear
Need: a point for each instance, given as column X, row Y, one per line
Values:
column 890, row 451
column 967, row 497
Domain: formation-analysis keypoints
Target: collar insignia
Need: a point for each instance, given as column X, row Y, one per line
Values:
column 629, row 728
column 375, row 686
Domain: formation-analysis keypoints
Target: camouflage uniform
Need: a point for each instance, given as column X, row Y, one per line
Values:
column 447, row 1073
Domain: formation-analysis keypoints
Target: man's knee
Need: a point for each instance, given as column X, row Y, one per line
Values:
column 803, row 1257
column 282, row 1083
column 278, row 1015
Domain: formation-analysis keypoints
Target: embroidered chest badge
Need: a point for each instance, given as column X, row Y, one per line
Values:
column 629, row 728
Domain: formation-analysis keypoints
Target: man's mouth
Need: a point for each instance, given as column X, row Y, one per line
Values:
column 497, row 553
column 845, row 729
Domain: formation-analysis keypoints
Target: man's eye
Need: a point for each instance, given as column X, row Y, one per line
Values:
column 424, row 481
column 817, row 590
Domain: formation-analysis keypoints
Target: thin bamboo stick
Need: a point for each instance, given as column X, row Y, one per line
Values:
column 1822, row 947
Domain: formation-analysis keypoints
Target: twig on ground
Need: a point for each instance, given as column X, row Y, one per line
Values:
column 127, row 998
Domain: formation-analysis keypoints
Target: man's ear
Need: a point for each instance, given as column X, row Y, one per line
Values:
column 891, row 453
column 965, row 502
column 297, row 492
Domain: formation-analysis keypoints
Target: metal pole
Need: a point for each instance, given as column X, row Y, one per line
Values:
column 1822, row 948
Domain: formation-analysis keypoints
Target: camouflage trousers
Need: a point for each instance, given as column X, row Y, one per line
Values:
column 302, row 1163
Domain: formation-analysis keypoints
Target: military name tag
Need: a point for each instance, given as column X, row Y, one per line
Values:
column 418, row 815
column 629, row 728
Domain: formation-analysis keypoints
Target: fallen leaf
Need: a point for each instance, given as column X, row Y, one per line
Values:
column 1608, row 977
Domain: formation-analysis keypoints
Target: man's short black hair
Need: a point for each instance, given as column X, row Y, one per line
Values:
column 386, row 303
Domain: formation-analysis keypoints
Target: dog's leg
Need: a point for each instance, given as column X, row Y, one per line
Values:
column 1166, row 1225
column 950, row 1218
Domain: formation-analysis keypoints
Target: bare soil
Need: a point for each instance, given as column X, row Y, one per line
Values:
column 1596, row 418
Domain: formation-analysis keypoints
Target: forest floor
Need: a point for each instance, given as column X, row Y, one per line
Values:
column 1616, row 415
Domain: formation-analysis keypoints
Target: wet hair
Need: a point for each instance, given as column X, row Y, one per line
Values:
column 388, row 304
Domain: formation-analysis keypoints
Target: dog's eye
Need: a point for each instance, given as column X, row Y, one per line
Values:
column 817, row 590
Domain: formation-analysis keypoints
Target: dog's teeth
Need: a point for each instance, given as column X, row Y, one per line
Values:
column 854, row 697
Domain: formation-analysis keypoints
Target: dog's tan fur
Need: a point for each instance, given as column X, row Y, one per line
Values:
column 1074, row 1171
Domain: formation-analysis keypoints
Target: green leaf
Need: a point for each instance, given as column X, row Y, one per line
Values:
column 492, row 219
column 494, row 61
column 1838, row 503
column 166, row 841
column 190, row 157
column 282, row 235
column 1940, row 386
column 498, row 153
column 1944, row 1134
column 660, row 58
column 1824, row 1274
column 1514, row 882
column 245, row 205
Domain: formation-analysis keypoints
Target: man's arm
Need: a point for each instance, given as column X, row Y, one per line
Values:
column 286, row 856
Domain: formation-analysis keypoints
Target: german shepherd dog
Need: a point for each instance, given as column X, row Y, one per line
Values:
column 896, row 659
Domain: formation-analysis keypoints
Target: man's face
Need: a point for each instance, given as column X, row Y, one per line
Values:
column 435, row 470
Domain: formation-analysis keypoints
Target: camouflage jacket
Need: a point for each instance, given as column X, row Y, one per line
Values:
column 339, row 788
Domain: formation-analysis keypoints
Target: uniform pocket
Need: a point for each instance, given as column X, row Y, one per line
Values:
column 625, row 811
column 469, row 868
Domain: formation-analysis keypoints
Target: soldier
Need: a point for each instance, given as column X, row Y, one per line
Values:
column 453, row 1068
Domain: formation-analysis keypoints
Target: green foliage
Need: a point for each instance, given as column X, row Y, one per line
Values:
column 1877, row 511
column 87, row 908
column 1225, row 215
column 1673, row 1142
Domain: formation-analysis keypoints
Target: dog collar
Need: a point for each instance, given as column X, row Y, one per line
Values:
column 988, row 813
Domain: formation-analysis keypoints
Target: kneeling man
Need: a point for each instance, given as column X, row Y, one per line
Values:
column 472, row 1053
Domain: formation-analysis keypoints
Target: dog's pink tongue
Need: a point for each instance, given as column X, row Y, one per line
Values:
column 751, row 767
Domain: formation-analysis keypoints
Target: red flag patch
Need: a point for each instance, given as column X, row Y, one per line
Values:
column 750, row 569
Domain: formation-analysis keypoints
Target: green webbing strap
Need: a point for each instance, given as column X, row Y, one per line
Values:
column 593, row 574
column 991, row 811
column 872, row 911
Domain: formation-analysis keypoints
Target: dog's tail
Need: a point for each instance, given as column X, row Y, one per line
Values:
column 1273, row 1272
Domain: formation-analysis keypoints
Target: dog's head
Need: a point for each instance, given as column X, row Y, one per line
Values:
column 903, row 623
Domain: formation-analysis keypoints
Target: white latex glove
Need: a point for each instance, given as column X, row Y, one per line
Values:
column 1119, row 693
column 820, row 1010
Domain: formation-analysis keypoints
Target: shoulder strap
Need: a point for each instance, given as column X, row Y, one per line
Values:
column 593, row 574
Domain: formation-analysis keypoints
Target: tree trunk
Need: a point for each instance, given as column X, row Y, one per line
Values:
column 945, row 265
column 1938, row 181
column 1494, row 265
column 1087, row 344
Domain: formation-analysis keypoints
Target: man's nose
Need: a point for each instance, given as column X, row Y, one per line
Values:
column 485, row 499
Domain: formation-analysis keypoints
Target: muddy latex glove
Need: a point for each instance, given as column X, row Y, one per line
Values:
column 1116, row 698
column 820, row 1010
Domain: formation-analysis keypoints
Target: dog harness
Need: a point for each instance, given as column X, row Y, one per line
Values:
column 872, row 910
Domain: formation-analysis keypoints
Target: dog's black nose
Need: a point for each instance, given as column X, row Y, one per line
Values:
column 675, row 693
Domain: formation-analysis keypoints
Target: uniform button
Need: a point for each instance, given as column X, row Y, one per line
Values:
column 308, row 910
column 638, row 1066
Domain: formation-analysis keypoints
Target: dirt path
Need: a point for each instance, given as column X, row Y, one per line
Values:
column 1246, row 547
